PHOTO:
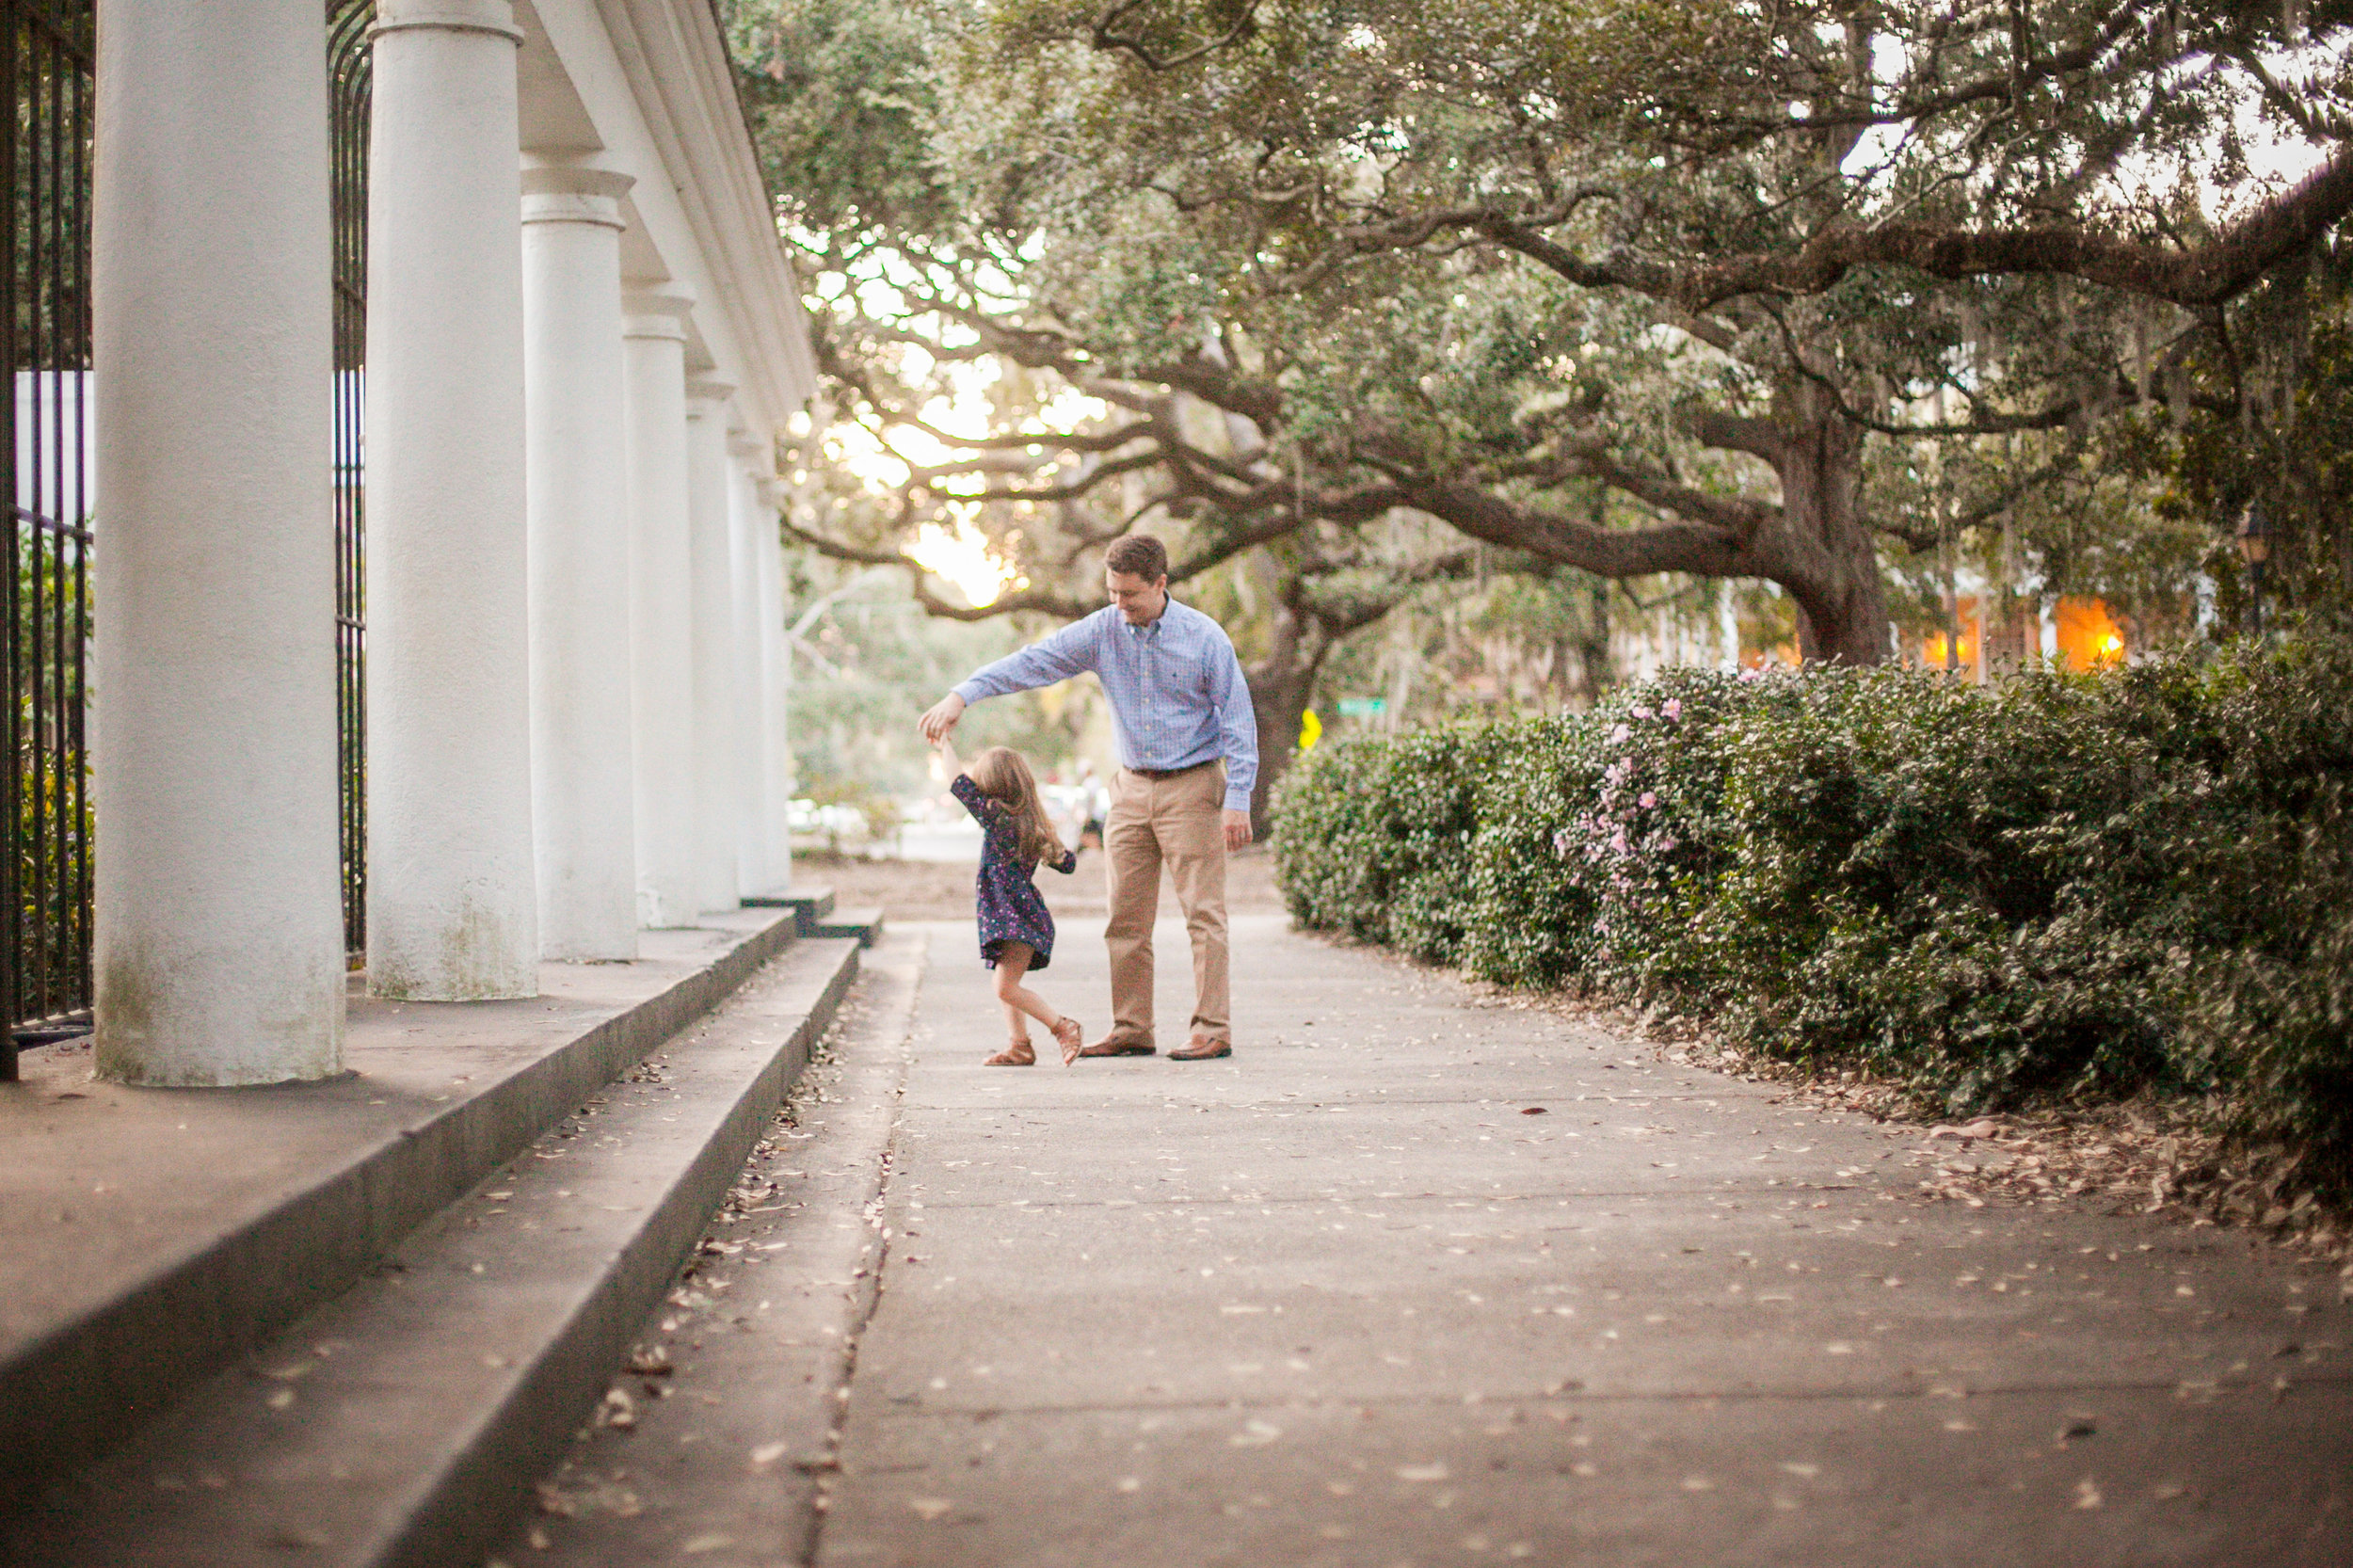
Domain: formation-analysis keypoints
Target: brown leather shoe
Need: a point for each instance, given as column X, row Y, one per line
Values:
column 1111, row 1045
column 1199, row 1049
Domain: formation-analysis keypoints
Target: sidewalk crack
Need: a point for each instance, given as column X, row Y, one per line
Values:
column 867, row 1284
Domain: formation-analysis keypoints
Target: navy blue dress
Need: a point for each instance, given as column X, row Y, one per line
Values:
column 1009, row 906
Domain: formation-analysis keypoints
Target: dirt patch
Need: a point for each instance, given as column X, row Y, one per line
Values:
column 936, row 891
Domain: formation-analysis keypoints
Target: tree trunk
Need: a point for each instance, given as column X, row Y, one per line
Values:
column 1828, row 559
column 1280, row 688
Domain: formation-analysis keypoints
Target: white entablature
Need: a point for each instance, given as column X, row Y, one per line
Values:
column 645, row 87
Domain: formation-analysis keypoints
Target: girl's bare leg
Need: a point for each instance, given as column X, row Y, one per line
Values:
column 1019, row 1053
column 1013, row 962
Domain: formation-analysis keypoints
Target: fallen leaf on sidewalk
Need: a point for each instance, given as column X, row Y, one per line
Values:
column 929, row 1508
column 1422, row 1472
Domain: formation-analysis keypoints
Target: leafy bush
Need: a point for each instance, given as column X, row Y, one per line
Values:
column 1378, row 838
column 2060, row 886
column 1530, row 916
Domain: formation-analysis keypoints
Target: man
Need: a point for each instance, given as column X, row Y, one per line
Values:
column 1181, row 708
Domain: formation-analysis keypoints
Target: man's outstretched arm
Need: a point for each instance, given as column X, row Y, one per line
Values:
column 1069, row 651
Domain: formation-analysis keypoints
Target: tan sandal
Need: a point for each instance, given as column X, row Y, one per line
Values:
column 1069, row 1036
column 1018, row 1054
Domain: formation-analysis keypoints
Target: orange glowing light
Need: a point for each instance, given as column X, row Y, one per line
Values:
column 1934, row 645
column 2088, row 635
column 1933, row 652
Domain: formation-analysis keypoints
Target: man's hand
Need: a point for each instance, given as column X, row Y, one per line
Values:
column 1237, row 829
column 941, row 718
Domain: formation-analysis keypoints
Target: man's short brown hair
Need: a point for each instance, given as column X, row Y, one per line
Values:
column 1138, row 556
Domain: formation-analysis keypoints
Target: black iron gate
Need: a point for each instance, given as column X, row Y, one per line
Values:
column 46, row 444
column 347, row 64
column 46, row 58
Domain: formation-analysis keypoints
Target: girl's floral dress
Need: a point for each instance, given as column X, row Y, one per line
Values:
column 1010, row 909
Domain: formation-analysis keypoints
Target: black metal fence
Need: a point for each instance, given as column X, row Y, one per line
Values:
column 347, row 79
column 46, row 461
column 45, row 77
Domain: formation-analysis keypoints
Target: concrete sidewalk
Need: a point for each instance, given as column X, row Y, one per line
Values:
column 1416, row 1278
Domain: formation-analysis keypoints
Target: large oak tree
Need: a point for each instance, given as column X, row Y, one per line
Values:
column 1311, row 263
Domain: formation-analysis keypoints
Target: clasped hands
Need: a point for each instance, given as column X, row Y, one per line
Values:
column 941, row 716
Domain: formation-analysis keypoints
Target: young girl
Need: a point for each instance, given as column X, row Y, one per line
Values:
column 1016, row 930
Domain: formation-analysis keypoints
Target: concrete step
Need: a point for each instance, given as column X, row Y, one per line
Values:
column 809, row 906
column 403, row 1423
column 152, row 1237
column 725, row 1464
column 864, row 924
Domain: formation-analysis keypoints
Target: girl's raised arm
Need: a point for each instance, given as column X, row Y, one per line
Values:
column 985, row 812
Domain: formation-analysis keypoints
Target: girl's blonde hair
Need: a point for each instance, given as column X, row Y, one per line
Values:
column 1005, row 778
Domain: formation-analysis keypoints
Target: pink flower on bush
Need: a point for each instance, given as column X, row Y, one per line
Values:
column 1650, row 798
column 1673, row 709
column 1642, row 713
column 1617, row 736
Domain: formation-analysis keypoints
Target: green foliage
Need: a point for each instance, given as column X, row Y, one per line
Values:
column 2085, row 885
column 1391, row 825
column 2290, row 453
column 1532, row 919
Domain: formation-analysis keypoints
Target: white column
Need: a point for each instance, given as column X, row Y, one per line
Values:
column 218, row 920
column 453, row 911
column 662, row 663
column 582, row 785
column 752, row 456
column 711, row 617
column 776, row 678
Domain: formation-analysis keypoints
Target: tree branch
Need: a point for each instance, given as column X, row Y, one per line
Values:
column 1699, row 548
column 1131, row 43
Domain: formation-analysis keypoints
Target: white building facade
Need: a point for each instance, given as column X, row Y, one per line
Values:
column 584, row 341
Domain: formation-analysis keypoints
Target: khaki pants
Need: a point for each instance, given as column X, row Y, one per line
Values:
column 1179, row 823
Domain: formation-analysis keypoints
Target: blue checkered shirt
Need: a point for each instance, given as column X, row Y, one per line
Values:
column 1176, row 691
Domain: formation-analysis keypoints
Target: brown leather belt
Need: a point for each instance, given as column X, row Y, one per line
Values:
column 1156, row 774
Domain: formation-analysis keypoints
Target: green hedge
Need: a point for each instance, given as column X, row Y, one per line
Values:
column 2061, row 885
